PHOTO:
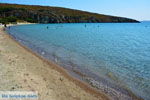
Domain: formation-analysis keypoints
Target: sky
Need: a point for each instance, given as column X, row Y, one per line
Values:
column 135, row 9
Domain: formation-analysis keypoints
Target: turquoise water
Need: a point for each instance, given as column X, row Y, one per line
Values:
column 116, row 52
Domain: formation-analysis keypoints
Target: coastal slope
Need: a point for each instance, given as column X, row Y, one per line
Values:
column 46, row 14
column 22, row 70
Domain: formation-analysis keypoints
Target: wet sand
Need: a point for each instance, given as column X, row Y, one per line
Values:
column 23, row 70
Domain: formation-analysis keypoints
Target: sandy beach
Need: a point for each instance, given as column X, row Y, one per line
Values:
column 22, row 70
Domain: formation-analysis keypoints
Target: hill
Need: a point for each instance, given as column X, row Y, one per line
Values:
column 46, row 14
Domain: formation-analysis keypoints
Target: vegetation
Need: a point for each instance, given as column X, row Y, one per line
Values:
column 9, row 19
column 45, row 14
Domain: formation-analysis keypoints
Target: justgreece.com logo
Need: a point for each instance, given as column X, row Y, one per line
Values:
column 18, row 95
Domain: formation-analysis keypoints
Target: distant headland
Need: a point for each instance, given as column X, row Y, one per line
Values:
column 46, row 14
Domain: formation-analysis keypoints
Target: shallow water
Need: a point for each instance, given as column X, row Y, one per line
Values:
column 117, row 52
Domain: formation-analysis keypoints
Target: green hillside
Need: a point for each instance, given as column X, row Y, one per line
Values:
column 46, row 14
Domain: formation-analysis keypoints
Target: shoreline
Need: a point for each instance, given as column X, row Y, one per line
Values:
column 97, row 95
column 84, row 85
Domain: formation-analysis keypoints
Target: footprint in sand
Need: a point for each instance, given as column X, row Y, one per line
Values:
column 25, row 80
column 11, row 61
column 13, row 88
column 61, row 79
column 44, row 79
column 26, row 74
column 30, row 88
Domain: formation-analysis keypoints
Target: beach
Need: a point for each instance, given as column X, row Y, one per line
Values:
column 23, row 70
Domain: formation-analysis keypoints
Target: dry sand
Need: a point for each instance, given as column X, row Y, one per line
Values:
column 22, row 70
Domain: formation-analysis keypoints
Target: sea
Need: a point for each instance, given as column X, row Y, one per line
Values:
column 112, row 57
